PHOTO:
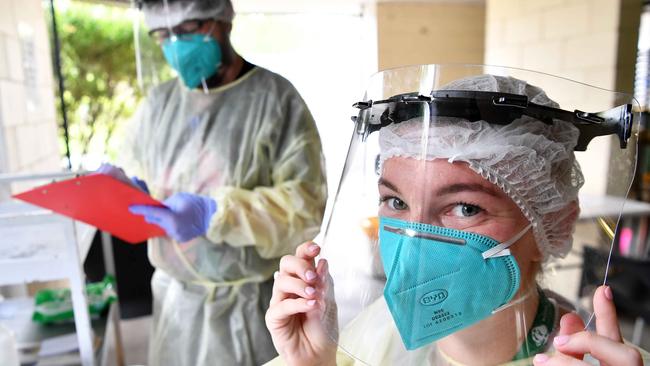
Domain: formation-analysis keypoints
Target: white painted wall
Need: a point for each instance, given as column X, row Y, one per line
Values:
column 28, row 129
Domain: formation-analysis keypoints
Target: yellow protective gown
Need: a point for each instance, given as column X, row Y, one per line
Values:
column 253, row 146
column 376, row 341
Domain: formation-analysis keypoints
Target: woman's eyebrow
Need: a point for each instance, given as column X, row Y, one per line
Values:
column 464, row 187
column 387, row 184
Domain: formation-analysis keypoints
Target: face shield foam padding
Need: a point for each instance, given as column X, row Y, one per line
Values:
column 167, row 14
column 532, row 162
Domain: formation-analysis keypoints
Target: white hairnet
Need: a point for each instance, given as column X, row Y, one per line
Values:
column 163, row 14
column 532, row 162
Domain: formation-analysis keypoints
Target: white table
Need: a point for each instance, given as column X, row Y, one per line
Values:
column 38, row 245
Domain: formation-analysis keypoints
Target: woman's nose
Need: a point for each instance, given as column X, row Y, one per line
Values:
column 425, row 217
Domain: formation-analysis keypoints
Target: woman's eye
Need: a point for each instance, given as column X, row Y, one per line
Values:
column 465, row 210
column 396, row 204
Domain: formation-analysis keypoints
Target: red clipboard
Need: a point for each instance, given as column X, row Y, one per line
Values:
column 99, row 200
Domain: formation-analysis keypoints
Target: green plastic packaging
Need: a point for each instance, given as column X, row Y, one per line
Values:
column 55, row 305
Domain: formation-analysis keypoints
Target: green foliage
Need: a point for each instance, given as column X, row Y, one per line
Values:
column 98, row 62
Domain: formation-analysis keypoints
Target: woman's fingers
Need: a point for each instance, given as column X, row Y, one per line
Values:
column 297, row 276
column 297, row 267
column 322, row 269
column 325, row 282
column 557, row 360
column 286, row 286
column 606, row 350
column 569, row 324
column 605, row 312
column 307, row 251
column 279, row 313
column 606, row 345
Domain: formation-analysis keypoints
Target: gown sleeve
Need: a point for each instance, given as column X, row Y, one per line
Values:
column 275, row 219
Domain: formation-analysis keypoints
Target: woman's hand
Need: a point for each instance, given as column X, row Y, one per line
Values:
column 606, row 345
column 302, row 314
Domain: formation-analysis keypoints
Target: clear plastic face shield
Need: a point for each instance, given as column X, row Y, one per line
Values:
column 477, row 206
column 151, row 66
column 175, row 38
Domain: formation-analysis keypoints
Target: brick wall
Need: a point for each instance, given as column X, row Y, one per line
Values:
column 590, row 41
column 430, row 32
column 586, row 40
column 28, row 130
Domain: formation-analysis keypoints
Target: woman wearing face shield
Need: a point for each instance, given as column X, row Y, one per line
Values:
column 476, row 198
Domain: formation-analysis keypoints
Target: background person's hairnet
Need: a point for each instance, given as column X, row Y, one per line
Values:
column 163, row 14
column 532, row 162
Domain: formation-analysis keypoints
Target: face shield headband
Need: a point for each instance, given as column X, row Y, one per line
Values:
column 492, row 107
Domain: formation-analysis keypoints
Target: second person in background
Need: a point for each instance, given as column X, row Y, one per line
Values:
column 233, row 152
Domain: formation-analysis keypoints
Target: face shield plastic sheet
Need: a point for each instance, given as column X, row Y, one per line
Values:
column 172, row 38
column 476, row 207
column 151, row 67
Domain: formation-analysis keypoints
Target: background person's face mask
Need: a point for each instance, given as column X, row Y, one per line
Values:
column 440, row 280
column 195, row 57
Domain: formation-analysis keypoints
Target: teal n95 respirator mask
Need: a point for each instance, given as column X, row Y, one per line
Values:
column 441, row 280
column 195, row 57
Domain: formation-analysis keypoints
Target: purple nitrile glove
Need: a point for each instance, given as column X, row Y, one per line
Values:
column 113, row 171
column 185, row 216
column 140, row 184
column 118, row 173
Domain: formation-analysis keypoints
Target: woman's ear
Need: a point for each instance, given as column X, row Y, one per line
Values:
column 226, row 26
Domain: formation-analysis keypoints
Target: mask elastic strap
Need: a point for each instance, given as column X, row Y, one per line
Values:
column 502, row 249
column 209, row 34
column 521, row 299
column 207, row 37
